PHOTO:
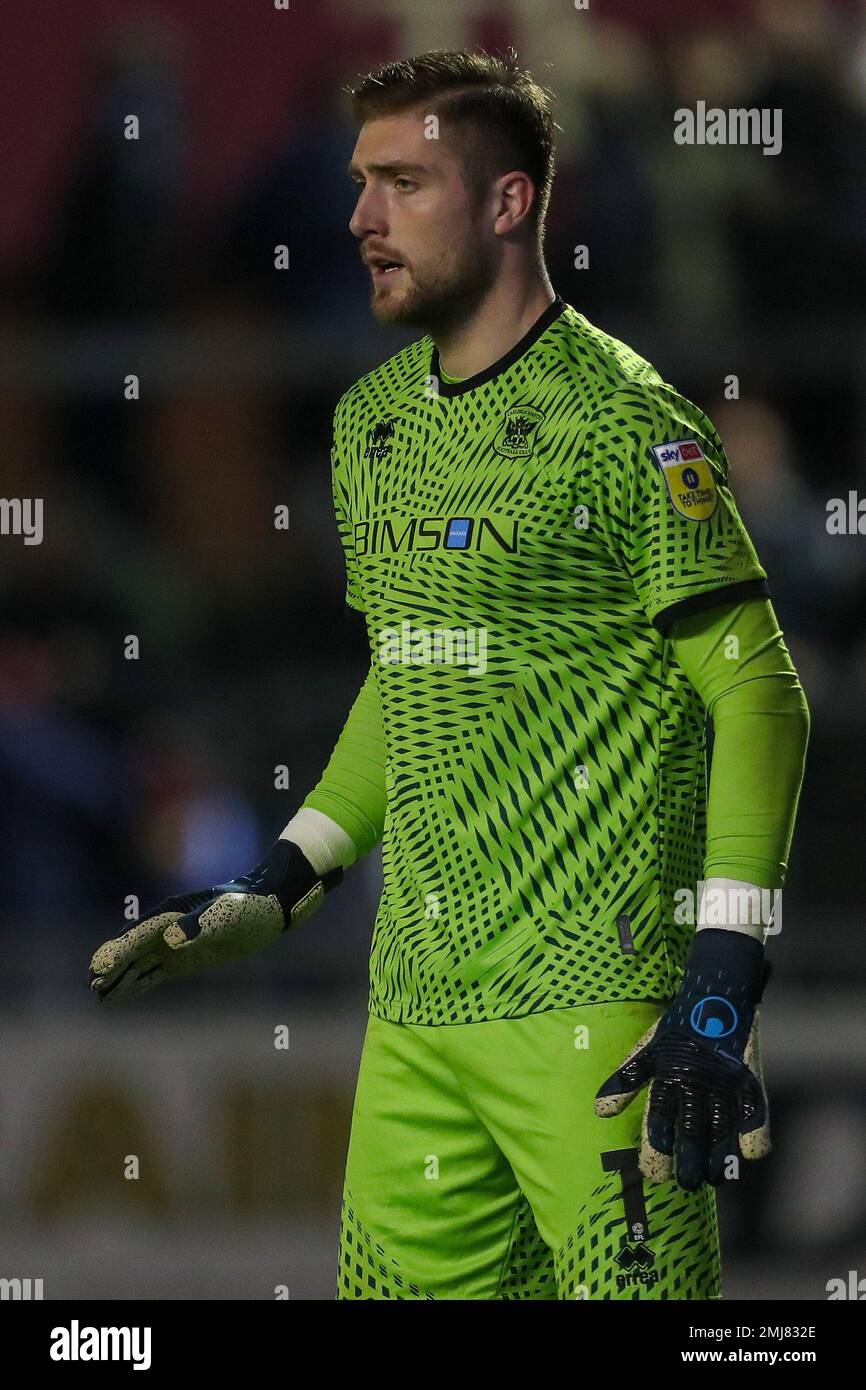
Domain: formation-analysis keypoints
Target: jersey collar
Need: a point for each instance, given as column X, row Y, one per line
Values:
column 457, row 388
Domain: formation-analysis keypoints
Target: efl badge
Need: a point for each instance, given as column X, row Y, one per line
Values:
column 689, row 478
column 516, row 439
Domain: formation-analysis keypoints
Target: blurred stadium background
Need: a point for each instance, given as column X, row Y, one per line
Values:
column 144, row 776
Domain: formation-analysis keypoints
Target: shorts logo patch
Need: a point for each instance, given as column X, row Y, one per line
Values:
column 689, row 478
column 636, row 1265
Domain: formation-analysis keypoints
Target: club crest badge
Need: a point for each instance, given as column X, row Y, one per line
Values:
column 516, row 437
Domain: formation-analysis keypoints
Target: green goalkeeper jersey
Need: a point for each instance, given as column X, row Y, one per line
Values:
column 519, row 543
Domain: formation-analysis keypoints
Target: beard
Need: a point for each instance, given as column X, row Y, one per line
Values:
column 440, row 299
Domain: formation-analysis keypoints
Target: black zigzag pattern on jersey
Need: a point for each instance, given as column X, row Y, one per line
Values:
column 544, row 804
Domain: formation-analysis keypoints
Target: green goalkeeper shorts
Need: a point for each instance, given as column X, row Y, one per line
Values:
column 477, row 1168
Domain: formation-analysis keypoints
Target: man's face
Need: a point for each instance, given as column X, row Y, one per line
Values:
column 416, row 213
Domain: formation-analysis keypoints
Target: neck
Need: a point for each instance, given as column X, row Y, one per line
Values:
column 500, row 321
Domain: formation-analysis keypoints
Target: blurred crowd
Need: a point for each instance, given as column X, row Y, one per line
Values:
column 740, row 275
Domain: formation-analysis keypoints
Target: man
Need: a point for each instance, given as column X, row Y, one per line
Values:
column 557, row 590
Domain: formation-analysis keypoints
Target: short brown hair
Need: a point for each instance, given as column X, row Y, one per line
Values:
column 509, row 112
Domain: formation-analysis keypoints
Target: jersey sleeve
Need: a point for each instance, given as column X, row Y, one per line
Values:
column 761, row 723
column 352, row 790
column 342, row 510
column 658, row 479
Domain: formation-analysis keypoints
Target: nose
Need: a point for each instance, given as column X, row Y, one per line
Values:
column 369, row 215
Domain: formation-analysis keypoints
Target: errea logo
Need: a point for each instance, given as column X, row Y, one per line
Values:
column 636, row 1266
column 380, row 440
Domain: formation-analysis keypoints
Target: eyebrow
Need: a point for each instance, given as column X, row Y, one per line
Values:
column 398, row 166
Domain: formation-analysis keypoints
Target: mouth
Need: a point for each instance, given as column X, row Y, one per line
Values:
column 382, row 269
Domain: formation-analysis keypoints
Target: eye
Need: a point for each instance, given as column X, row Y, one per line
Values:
column 404, row 184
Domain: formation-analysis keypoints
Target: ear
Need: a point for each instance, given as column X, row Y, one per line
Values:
column 516, row 198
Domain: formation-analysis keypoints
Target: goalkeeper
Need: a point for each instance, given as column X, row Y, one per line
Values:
column 561, row 1063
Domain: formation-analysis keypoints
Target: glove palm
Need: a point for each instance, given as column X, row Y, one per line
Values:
column 192, row 931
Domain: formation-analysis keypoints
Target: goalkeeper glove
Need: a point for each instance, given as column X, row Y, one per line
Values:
column 189, row 932
column 702, row 1062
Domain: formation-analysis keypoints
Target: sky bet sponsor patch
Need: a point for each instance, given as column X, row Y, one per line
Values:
column 689, row 478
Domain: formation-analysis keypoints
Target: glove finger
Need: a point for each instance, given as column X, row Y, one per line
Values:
column 657, row 1133
column 138, row 951
column 718, row 1157
column 113, row 957
column 136, row 980
column 756, row 1143
column 754, row 1118
column 621, row 1087
column 661, row 1116
column 692, row 1138
column 722, row 1135
column 139, row 975
column 152, row 966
